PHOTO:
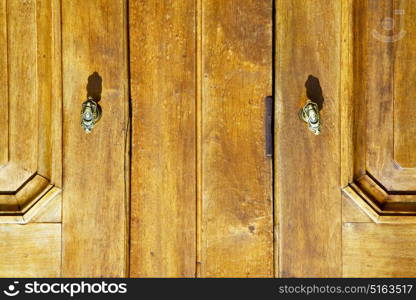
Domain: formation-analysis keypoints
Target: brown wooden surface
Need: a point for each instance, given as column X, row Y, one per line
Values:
column 307, row 166
column 237, row 199
column 95, row 201
column 347, row 84
column 373, row 250
column 4, row 89
column 163, row 83
column 353, row 213
column 378, row 67
column 49, row 90
column 47, row 210
column 32, row 250
column 378, row 117
column 23, row 79
column 201, row 186
column 21, row 111
column 384, row 51
column 31, row 120
column 404, row 91
column 381, row 122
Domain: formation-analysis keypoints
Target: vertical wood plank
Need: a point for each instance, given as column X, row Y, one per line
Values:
column 95, row 220
column 307, row 166
column 163, row 207
column 237, row 209
column 4, row 89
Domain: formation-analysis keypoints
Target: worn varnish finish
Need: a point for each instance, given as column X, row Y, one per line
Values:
column 377, row 64
column 373, row 250
column 32, row 250
column 201, row 185
column 175, row 60
column 4, row 89
column 163, row 85
column 307, row 166
column 95, row 202
column 29, row 74
column 30, row 147
column 353, row 213
column 32, row 81
column 237, row 222
column 381, row 178
column 381, row 122
column 23, row 101
column 404, row 92
column 92, row 241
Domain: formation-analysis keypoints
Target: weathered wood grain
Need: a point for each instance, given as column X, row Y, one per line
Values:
column 22, row 87
column 404, row 91
column 307, row 166
column 377, row 66
column 163, row 85
column 374, row 250
column 351, row 212
column 385, row 44
column 32, row 116
column 347, row 107
column 237, row 198
column 32, row 250
column 4, row 88
column 377, row 120
column 49, row 90
column 47, row 210
column 95, row 200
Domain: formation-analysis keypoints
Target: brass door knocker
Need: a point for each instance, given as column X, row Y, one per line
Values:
column 310, row 114
column 90, row 114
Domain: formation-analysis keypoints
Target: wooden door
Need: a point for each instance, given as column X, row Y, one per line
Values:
column 63, row 193
column 195, row 194
column 346, row 197
column 202, row 198
column 207, row 202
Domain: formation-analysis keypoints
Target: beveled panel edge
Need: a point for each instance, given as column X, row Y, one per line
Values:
column 41, row 204
column 32, row 210
column 353, row 123
column 371, row 209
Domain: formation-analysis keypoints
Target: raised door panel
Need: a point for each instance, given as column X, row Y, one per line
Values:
column 30, row 138
column 31, row 103
column 382, row 120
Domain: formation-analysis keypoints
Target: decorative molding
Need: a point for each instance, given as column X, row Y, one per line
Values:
column 379, row 204
column 30, row 200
